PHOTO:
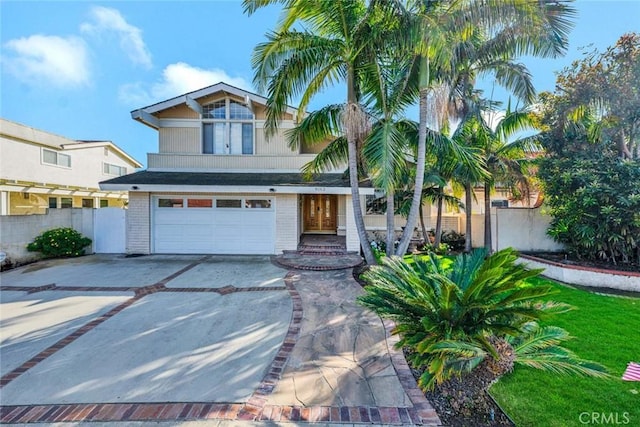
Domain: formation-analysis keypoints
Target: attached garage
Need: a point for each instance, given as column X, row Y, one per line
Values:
column 213, row 225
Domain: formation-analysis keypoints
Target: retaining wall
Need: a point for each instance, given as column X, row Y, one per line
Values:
column 585, row 276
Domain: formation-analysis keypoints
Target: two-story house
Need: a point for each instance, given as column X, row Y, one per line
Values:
column 218, row 185
column 40, row 170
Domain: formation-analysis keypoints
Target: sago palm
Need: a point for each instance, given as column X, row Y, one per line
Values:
column 452, row 318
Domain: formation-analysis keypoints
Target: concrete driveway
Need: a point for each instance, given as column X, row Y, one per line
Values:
column 110, row 338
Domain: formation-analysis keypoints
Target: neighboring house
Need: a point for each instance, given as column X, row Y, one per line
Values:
column 217, row 185
column 40, row 170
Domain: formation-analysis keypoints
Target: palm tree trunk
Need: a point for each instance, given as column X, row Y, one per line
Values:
column 623, row 150
column 425, row 235
column 353, row 174
column 438, row 232
column 391, row 226
column 487, row 218
column 420, row 160
column 467, row 211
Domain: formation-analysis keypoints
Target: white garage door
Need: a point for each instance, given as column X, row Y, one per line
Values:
column 213, row 225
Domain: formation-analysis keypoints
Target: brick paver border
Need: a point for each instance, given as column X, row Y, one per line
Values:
column 255, row 409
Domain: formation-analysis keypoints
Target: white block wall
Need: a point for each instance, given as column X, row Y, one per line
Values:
column 16, row 231
column 139, row 223
column 524, row 230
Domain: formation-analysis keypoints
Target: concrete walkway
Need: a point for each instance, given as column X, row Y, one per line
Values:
column 196, row 340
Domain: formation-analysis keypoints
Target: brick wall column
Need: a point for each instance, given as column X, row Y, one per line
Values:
column 139, row 223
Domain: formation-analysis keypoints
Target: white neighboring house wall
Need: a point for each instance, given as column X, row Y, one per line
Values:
column 25, row 171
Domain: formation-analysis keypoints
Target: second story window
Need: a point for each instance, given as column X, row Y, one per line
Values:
column 227, row 128
column 115, row 170
column 54, row 158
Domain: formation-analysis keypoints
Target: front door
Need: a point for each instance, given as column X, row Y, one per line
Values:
column 320, row 213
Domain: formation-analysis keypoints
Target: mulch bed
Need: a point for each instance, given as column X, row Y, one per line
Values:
column 482, row 411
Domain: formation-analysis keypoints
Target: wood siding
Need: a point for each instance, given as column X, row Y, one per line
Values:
column 287, row 232
column 178, row 112
column 180, row 140
column 274, row 146
column 235, row 162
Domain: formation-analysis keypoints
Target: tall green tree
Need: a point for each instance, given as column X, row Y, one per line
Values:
column 608, row 85
column 334, row 46
column 445, row 35
column 506, row 157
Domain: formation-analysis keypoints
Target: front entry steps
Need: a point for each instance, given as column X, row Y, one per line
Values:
column 320, row 253
column 315, row 262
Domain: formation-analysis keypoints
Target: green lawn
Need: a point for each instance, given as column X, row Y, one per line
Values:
column 606, row 330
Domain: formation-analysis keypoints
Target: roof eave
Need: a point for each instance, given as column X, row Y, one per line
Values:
column 183, row 99
column 272, row 189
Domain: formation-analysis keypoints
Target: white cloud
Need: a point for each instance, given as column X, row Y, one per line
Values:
column 46, row 60
column 110, row 20
column 177, row 79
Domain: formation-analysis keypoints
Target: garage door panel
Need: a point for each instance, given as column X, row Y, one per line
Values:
column 176, row 216
column 184, row 238
column 214, row 230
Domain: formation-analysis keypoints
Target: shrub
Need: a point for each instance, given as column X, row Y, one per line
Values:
column 59, row 242
column 451, row 320
column 442, row 249
column 454, row 240
column 595, row 205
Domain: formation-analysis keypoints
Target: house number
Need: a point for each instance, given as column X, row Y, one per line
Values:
column 320, row 189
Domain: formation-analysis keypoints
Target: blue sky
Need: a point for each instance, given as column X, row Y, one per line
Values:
column 77, row 68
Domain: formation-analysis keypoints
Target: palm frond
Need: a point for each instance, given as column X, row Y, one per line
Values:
column 334, row 156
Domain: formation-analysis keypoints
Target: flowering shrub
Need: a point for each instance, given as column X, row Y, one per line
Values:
column 59, row 242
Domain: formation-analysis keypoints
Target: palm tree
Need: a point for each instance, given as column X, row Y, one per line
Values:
column 517, row 27
column 507, row 161
column 340, row 40
column 468, row 175
column 334, row 46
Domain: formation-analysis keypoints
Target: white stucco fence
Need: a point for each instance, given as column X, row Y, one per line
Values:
column 523, row 229
column 16, row 231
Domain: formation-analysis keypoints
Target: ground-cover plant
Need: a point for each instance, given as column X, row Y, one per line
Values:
column 473, row 319
column 59, row 242
column 606, row 330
